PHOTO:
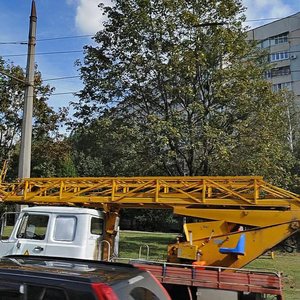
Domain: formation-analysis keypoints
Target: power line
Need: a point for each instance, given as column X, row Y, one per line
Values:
column 75, row 92
column 268, row 19
column 44, row 53
column 91, row 35
column 80, row 51
column 47, row 39
column 65, row 37
column 61, row 78
column 64, row 93
column 70, row 37
column 13, row 43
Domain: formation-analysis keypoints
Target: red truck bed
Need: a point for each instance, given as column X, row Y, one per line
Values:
column 217, row 278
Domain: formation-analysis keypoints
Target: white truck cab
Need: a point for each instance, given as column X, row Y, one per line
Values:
column 55, row 231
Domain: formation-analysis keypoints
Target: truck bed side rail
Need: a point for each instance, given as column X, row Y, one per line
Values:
column 250, row 281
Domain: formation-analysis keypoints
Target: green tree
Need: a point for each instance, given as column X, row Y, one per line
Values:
column 111, row 146
column 182, row 76
column 46, row 121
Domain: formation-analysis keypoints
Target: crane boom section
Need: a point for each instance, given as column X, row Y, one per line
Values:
column 268, row 214
column 155, row 192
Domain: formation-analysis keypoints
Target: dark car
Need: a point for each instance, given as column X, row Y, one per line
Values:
column 45, row 278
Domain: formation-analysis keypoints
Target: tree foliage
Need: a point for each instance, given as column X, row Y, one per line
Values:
column 182, row 91
column 46, row 121
column 113, row 146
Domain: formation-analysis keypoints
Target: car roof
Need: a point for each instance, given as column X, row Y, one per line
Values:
column 74, row 269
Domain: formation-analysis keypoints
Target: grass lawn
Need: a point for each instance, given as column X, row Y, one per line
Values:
column 288, row 264
column 131, row 241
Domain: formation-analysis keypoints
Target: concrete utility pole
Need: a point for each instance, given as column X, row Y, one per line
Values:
column 25, row 152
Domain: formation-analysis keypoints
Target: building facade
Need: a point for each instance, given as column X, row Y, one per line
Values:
column 282, row 39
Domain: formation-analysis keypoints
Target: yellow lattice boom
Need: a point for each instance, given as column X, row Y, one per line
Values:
column 268, row 214
column 154, row 192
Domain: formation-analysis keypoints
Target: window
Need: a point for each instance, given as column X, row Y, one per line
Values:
column 276, row 72
column 65, row 228
column 280, row 86
column 33, row 227
column 45, row 293
column 10, row 295
column 8, row 221
column 279, row 56
column 264, row 43
column 274, row 40
column 96, row 226
column 143, row 293
column 280, row 71
column 10, row 291
column 268, row 74
column 278, row 39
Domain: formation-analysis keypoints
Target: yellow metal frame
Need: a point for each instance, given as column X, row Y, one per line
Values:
column 258, row 241
column 268, row 214
column 246, row 191
column 3, row 172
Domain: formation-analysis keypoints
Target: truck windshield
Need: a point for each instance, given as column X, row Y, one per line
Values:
column 33, row 227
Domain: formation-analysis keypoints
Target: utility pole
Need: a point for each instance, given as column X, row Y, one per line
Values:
column 26, row 136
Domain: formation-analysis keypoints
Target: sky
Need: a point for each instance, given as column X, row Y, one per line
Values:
column 65, row 26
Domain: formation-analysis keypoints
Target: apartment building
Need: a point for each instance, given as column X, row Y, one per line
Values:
column 282, row 39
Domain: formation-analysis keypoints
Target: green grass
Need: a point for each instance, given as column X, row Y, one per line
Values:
column 131, row 241
column 288, row 264
column 7, row 232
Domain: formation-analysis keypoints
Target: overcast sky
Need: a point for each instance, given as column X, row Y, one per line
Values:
column 69, row 18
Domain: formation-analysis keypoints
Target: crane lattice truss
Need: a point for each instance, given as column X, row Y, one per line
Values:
column 154, row 192
column 268, row 214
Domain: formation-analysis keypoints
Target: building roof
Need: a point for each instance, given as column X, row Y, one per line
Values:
column 296, row 15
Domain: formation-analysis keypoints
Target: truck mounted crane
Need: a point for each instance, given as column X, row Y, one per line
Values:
column 239, row 217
